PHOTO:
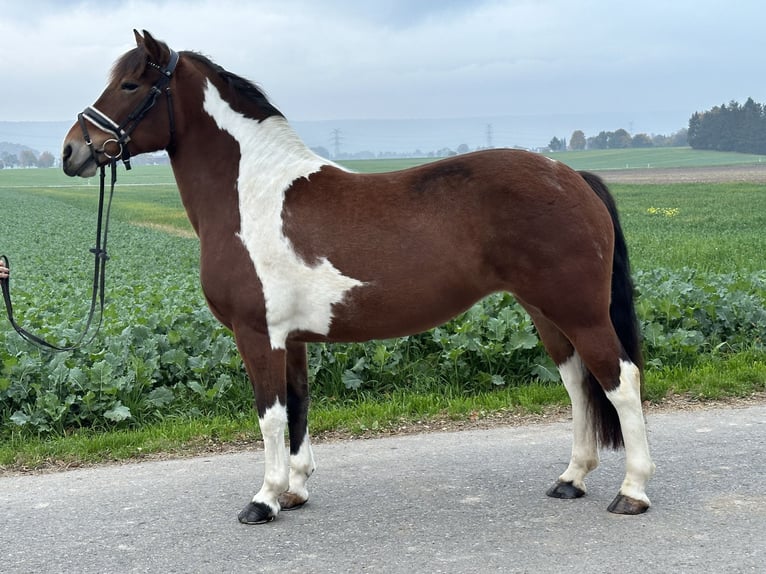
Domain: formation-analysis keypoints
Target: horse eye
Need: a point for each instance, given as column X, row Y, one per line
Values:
column 129, row 86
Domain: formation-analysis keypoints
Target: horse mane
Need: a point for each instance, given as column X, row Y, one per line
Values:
column 134, row 61
column 242, row 87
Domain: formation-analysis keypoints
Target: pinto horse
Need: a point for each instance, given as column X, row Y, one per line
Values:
column 295, row 249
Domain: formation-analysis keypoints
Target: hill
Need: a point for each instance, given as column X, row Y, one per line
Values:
column 37, row 136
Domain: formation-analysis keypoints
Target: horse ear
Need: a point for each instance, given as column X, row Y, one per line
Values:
column 153, row 48
column 139, row 39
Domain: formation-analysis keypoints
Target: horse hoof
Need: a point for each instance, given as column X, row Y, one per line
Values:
column 256, row 513
column 291, row 501
column 626, row 505
column 565, row 490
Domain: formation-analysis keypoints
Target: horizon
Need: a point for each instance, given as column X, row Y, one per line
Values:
column 405, row 135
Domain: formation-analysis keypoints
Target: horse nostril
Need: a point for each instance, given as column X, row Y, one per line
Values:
column 66, row 152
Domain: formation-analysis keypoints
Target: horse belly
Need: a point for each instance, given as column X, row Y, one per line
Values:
column 377, row 314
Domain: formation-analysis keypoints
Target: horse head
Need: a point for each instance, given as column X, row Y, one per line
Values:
column 129, row 117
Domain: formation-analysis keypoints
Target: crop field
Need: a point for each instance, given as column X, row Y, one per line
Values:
column 698, row 254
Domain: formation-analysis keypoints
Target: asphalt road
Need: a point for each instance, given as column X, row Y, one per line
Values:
column 470, row 501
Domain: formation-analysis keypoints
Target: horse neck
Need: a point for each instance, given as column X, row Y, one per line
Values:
column 222, row 149
column 270, row 151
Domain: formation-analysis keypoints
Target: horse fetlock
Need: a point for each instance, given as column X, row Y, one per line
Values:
column 292, row 500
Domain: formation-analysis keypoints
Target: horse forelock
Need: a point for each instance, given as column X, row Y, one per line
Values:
column 132, row 63
column 243, row 90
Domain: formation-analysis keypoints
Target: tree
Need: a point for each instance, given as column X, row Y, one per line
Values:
column 557, row 144
column 680, row 138
column 46, row 159
column 641, row 140
column 730, row 127
column 10, row 159
column 27, row 158
column 619, row 139
column 577, row 141
column 598, row 142
column 463, row 148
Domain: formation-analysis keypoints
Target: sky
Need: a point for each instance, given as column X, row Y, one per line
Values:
column 404, row 59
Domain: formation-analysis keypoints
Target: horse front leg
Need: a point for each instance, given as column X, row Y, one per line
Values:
column 266, row 368
column 302, row 463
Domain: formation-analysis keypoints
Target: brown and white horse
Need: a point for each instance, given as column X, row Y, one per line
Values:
column 296, row 249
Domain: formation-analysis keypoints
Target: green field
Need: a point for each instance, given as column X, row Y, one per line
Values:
column 653, row 158
column 599, row 160
column 163, row 374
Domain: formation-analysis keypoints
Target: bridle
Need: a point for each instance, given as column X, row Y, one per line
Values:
column 121, row 133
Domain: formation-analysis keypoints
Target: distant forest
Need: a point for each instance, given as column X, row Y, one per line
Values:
column 618, row 139
column 732, row 127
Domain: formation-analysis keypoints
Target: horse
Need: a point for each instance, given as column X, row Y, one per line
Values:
column 295, row 249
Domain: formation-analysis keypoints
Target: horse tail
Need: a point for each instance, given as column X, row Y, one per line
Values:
column 622, row 313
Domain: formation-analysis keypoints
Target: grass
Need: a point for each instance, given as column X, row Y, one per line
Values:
column 608, row 159
column 653, row 158
column 709, row 227
column 366, row 414
column 715, row 378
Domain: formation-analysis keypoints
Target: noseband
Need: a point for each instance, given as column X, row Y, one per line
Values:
column 121, row 132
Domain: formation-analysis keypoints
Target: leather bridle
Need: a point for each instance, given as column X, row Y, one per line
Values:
column 121, row 133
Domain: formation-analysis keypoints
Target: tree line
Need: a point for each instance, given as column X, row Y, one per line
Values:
column 618, row 139
column 26, row 158
column 732, row 127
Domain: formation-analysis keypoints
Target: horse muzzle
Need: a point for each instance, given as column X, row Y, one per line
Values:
column 77, row 159
column 82, row 154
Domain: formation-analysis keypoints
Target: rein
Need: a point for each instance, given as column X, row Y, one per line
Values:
column 99, row 276
column 121, row 133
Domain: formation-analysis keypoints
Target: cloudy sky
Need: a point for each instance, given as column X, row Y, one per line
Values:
column 341, row 59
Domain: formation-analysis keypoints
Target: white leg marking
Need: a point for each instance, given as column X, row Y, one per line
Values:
column 584, row 447
column 275, row 475
column 302, row 465
column 272, row 156
column 638, row 464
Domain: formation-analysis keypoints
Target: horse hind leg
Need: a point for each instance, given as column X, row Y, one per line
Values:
column 626, row 398
column 302, row 463
column 621, row 382
column 584, row 459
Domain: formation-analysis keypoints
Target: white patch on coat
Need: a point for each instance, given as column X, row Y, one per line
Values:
column 298, row 296
column 584, row 446
column 626, row 398
column 275, row 473
column 302, row 466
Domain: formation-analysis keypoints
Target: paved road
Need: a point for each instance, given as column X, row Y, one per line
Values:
column 470, row 501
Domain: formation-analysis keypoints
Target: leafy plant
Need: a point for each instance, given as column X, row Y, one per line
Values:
column 161, row 355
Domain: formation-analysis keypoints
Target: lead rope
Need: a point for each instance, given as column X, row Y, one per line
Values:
column 99, row 275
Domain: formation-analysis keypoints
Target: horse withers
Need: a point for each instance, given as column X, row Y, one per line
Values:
column 296, row 249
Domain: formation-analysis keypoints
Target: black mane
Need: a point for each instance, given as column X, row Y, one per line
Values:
column 247, row 90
